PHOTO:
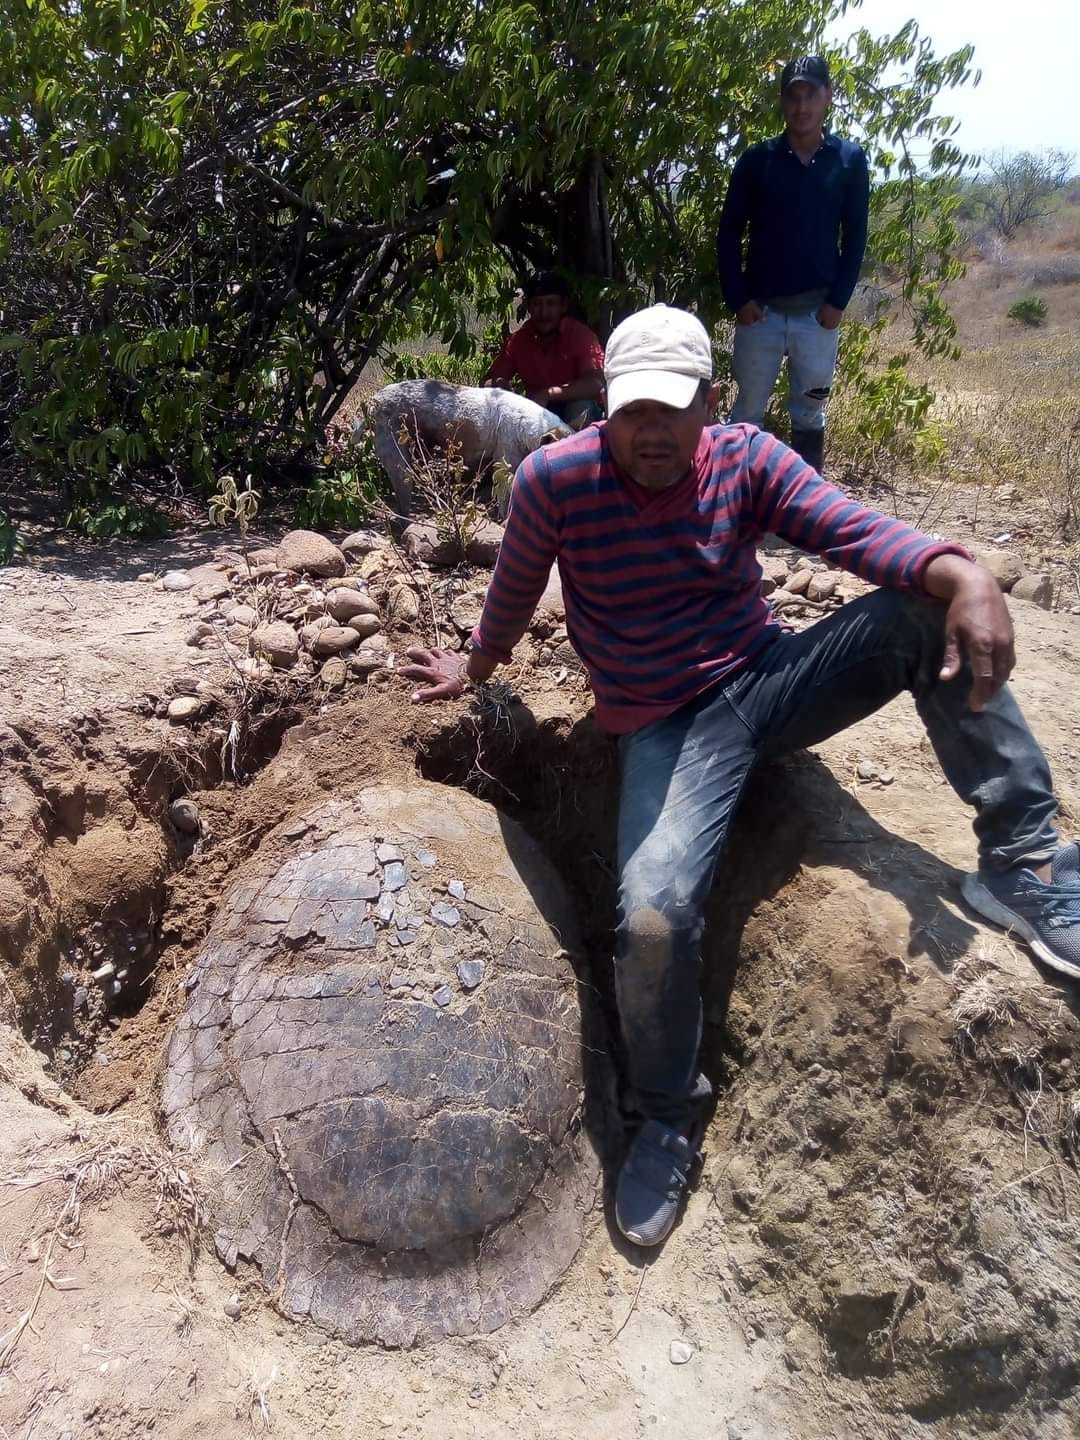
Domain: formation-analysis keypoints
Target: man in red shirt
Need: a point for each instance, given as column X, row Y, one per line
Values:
column 557, row 358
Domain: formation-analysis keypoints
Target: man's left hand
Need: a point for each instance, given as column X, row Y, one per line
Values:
column 545, row 397
column 829, row 317
column 977, row 626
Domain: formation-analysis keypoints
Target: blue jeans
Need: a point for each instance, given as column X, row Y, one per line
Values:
column 758, row 353
column 681, row 778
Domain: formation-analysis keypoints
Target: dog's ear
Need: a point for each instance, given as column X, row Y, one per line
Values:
column 550, row 436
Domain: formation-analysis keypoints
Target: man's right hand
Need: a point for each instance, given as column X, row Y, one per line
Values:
column 749, row 314
column 440, row 674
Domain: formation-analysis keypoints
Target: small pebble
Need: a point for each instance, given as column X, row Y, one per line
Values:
column 427, row 858
column 456, row 888
column 470, row 973
column 867, row 770
column 398, row 980
column 406, row 937
column 184, row 815
column 443, row 996
column 679, row 1352
column 445, row 914
column 386, row 852
column 232, row 1307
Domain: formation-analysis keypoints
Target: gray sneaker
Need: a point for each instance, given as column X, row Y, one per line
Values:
column 1047, row 916
column 654, row 1175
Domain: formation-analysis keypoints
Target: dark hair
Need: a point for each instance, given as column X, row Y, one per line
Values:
column 547, row 282
column 702, row 396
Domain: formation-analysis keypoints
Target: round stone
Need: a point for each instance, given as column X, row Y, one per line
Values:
column 276, row 642
column 310, row 553
column 344, row 604
column 184, row 814
column 400, row 1160
column 333, row 639
column 177, row 580
column 184, row 708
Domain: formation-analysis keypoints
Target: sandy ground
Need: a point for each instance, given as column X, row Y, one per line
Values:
column 882, row 1242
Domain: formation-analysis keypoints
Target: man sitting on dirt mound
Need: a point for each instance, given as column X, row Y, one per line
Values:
column 557, row 358
column 654, row 517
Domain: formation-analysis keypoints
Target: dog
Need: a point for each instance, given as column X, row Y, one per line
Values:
column 488, row 424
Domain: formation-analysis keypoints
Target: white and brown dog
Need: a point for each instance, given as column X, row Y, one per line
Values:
column 488, row 424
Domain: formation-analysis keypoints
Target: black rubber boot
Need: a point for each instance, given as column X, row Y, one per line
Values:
column 810, row 444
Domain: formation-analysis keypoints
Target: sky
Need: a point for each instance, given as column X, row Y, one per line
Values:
column 1029, row 55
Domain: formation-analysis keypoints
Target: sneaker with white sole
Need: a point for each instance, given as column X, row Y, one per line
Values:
column 654, row 1175
column 1045, row 914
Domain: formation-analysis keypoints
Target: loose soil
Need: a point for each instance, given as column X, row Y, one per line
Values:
column 881, row 1242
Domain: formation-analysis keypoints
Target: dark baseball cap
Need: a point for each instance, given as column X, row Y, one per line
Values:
column 811, row 69
column 547, row 282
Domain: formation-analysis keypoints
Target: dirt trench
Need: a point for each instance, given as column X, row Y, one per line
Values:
column 887, row 1209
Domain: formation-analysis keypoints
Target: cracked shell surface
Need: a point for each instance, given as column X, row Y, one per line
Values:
column 400, row 1156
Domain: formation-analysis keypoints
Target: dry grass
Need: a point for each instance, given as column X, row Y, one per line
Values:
column 114, row 1156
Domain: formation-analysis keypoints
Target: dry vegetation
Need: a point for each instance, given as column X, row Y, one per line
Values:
column 1007, row 412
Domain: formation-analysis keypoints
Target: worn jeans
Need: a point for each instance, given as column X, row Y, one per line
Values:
column 758, row 353
column 681, row 778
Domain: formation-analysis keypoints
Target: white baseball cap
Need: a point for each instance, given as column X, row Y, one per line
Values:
column 658, row 354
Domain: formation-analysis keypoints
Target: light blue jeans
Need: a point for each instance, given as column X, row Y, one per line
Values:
column 759, row 352
column 682, row 777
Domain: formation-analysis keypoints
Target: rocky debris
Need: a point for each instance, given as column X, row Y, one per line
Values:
column 774, row 569
column 207, row 590
column 184, row 815
column 333, row 639
column 822, row 586
column 798, row 583
column 465, row 611
column 424, row 541
column 679, row 1352
column 550, row 610
column 311, row 554
column 311, row 631
column 185, row 708
column 242, row 615
column 483, row 545
column 470, row 973
column 334, row 673
column 198, row 633
column 259, row 559
column 1005, row 567
column 277, row 642
column 402, row 604
column 402, row 1133
column 343, row 604
column 177, row 580
column 365, row 661
column 1035, row 589
column 232, row 1307
column 360, row 543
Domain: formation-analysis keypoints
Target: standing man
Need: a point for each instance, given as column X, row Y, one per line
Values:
column 804, row 198
column 654, row 517
column 557, row 358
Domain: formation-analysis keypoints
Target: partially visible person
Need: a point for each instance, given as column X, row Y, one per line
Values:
column 559, row 360
column 804, row 199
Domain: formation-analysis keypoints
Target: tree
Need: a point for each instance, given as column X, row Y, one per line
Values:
column 212, row 215
column 1014, row 190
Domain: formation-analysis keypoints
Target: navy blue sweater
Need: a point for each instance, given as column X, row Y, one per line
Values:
column 807, row 222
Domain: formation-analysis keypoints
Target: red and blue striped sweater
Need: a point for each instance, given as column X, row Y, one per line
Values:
column 662, row 588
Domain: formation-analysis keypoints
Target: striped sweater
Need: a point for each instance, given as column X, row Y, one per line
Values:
column 662, row 588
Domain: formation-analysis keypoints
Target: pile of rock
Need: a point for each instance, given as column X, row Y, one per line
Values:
column 294, row 607
column 803, row 583
column 1036, row 587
